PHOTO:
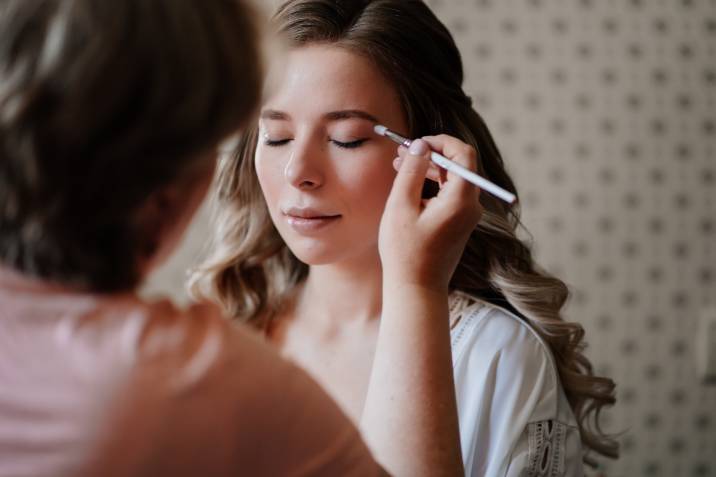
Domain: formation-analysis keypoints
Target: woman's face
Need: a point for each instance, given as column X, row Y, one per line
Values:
column 324, row 173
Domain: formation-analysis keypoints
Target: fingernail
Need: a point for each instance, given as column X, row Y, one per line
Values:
column 418, row 147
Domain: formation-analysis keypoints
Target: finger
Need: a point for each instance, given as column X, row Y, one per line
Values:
column 461, row 153
column 408, row 184
column 435, row 173
column 447, row 145
column 454, row 149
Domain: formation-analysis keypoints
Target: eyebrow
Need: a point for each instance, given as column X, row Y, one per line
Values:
column 332, row 116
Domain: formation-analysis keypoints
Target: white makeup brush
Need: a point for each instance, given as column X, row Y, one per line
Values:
column 451, row 166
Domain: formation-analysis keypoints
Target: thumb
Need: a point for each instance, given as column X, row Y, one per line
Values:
column 408, row 184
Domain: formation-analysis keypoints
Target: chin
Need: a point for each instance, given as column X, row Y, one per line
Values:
column 325, row 250
column 314, row 256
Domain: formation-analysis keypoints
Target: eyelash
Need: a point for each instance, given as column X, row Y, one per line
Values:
column 343, row 145
column 278, row 143
column 349, row 145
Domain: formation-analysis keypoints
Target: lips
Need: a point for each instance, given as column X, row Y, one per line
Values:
column 308, row 220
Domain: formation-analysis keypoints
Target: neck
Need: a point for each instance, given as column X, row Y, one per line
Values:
column 346, row 291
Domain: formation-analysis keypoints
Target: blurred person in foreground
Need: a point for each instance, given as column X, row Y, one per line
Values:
column 110, row 117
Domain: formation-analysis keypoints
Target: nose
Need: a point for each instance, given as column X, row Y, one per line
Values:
column 303, row 170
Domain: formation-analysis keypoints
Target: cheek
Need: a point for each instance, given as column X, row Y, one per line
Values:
column 269, row 173
column 380, row 177
column 370, row 186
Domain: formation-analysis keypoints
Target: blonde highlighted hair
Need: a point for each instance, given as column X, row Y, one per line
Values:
column 251, row 271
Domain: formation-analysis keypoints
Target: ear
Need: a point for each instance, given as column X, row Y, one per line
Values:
column 165, row 216
column 154, row 220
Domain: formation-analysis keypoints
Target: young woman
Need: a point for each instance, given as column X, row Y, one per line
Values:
column 302, row 250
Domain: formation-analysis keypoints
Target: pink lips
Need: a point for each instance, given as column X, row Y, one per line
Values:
column 308, row 220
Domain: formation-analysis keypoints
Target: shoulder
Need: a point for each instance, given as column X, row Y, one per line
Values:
column 492, row 343
column 212, row 380
column 493, row 329
column 514, row 416
column 197, row 346
column 174, row 352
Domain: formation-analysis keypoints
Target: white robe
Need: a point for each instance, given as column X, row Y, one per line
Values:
column 514, row 417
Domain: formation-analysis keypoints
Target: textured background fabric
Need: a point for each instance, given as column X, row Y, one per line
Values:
column 605, row 111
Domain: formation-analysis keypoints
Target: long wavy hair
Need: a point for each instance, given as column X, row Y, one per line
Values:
column 251, row 271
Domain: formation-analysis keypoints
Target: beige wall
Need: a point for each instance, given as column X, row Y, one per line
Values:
column 605, row 112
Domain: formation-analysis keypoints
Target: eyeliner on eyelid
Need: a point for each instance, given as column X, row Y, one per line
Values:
column 350, row 145
column 343, row 145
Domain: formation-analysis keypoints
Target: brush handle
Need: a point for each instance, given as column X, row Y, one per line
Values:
column 470, row 176
column 451, row 166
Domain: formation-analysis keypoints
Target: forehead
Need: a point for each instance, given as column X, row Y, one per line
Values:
column 319, row 78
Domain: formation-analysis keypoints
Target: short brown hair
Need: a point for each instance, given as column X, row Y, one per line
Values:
column 101, row 103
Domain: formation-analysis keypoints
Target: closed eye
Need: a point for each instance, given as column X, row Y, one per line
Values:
column 349, row 145
column 275, row 142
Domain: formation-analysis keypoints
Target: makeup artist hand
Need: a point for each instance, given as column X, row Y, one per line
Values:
column 420, row 240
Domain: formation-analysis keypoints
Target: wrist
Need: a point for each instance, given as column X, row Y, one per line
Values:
column 420, row 281
column 424, row 307
column 400, row 291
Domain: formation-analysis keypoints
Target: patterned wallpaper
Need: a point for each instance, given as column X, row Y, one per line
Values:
column 605, row 111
